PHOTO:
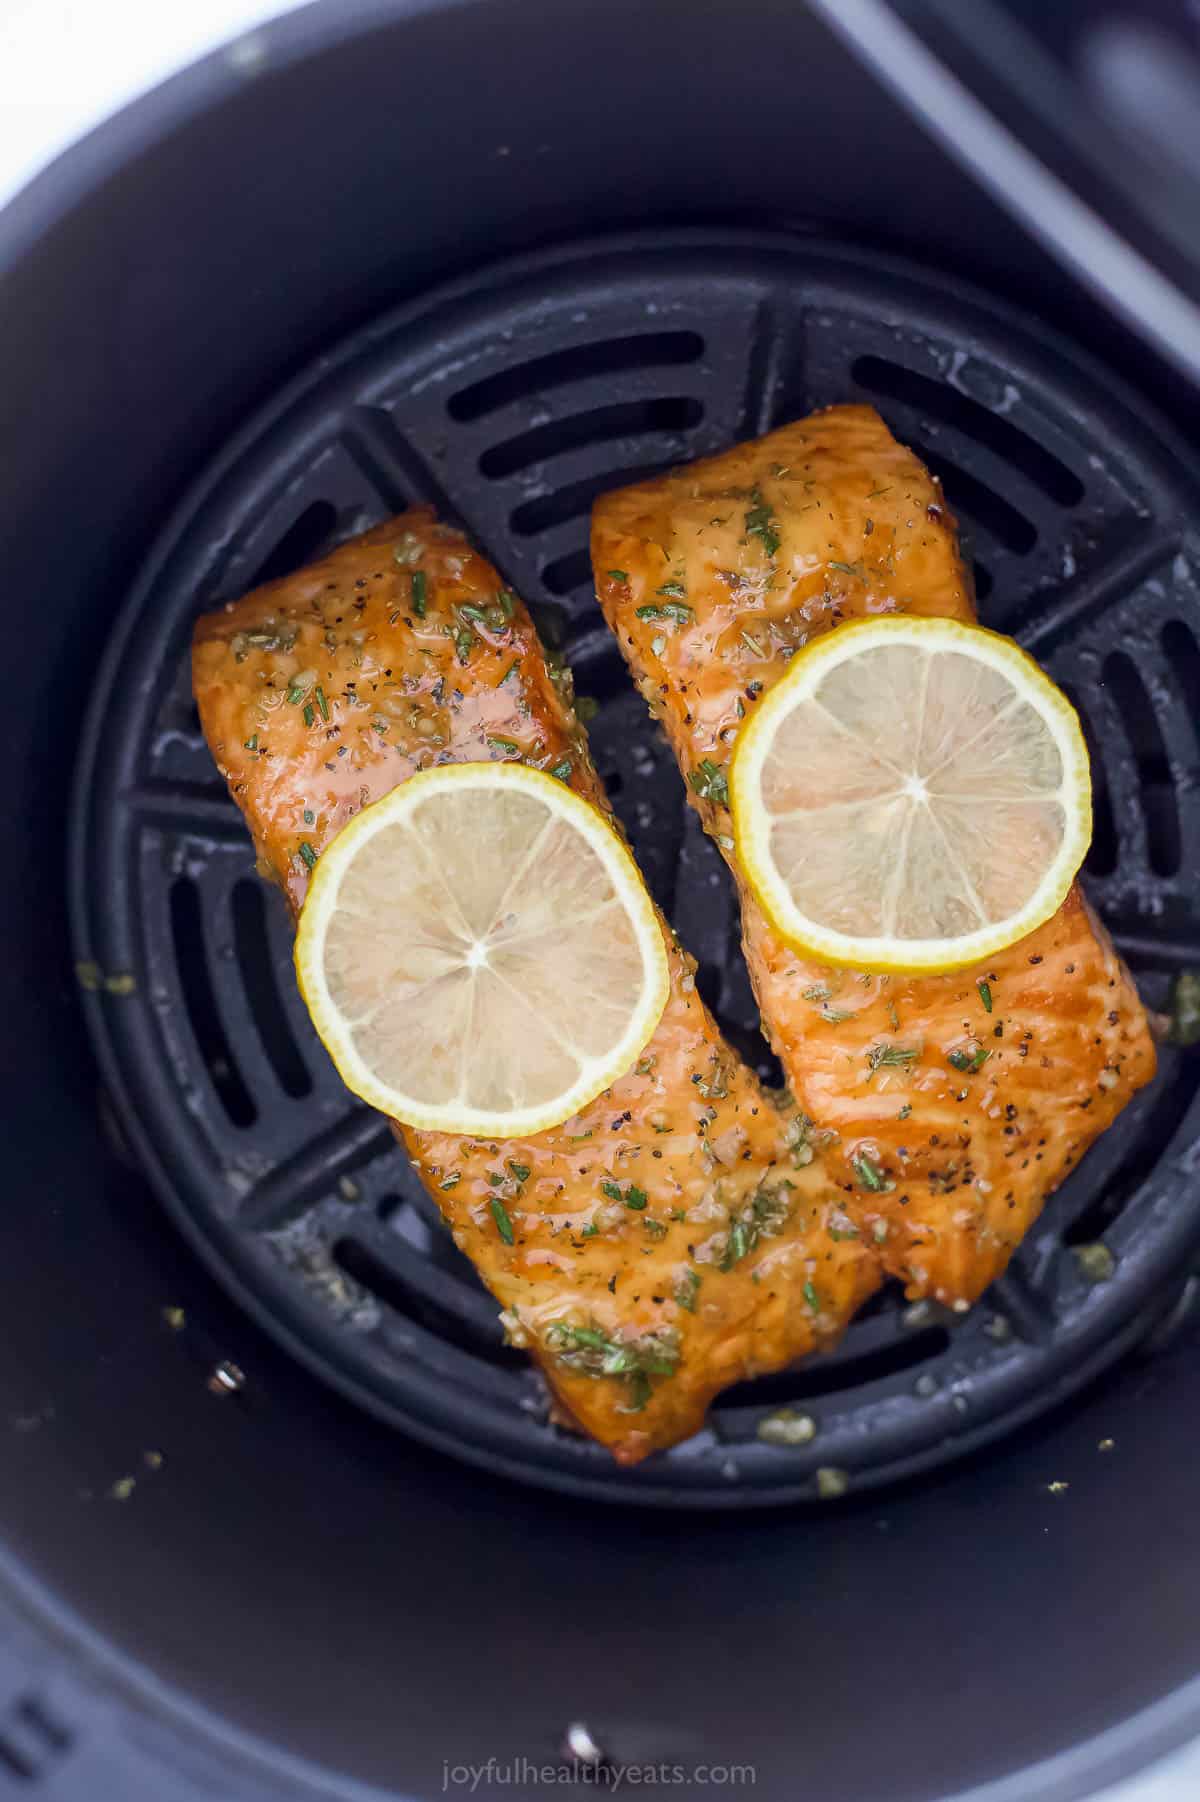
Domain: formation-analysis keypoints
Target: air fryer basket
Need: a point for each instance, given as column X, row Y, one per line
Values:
column 509, row 403
column 260, row 1535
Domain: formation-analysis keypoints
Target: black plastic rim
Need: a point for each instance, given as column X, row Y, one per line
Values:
column 510, row 401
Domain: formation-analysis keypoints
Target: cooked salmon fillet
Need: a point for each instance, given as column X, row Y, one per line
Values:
column 711, row 578
column 676, row 1235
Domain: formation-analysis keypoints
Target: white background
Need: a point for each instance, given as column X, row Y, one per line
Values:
column 66, row 64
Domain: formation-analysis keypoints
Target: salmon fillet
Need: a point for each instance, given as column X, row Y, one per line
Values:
column 711, row 578
column 677, row 1235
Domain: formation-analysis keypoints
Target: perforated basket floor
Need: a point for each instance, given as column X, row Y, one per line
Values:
column 510, row 402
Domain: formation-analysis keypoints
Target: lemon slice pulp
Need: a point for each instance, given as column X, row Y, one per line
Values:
column 914, row 794
column 479, row 954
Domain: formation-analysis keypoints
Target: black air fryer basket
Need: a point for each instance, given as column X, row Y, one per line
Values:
column 284, row 1516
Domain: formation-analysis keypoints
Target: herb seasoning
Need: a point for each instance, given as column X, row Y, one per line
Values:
column 870, row 1175
column 686, row 1290
column 669, row 610
column 710, row 782
column 760, row 524
column 882, row 1056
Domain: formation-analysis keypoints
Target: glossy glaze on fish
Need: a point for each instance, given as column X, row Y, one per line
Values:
column 958, row 1102
column 675, row 1236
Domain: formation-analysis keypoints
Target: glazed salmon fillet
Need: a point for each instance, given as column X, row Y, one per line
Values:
column 711, row 578
column 678, row 1234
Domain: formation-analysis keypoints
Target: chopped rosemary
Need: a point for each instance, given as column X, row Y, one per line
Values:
column 710, row 782
column 512, row 669
column 812, row 1298
column 562, row 769
column 798, row 1134
column 870, row 1175
column 308, row 854
column 309, row 713
column 252, row 742
column 836, row 1015
column 760, row 1218
column 818, row 992
column 584, row 1338
column 905, row 1111
column 640, row 1391
column 619, row 575
column 271, row 638
column 505, row 744
column 685, row 1290
column 507, row 602
column 420, row 592
column 675, row 610
column 676, row 589
column 500, row 1216
column 985, row 995
column 464, row 640
column 633, row 1197
column 760, row 525
column 967, row 1060
column 594, row 1353
column 847, row 569
column 522, row 1172
column 451, row 1181
column 882, row 1056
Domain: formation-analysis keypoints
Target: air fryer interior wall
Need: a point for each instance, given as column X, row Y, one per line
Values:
column 294, row 1571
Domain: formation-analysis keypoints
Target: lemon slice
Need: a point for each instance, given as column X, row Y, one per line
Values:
column 479, row 954
column 914, row 794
